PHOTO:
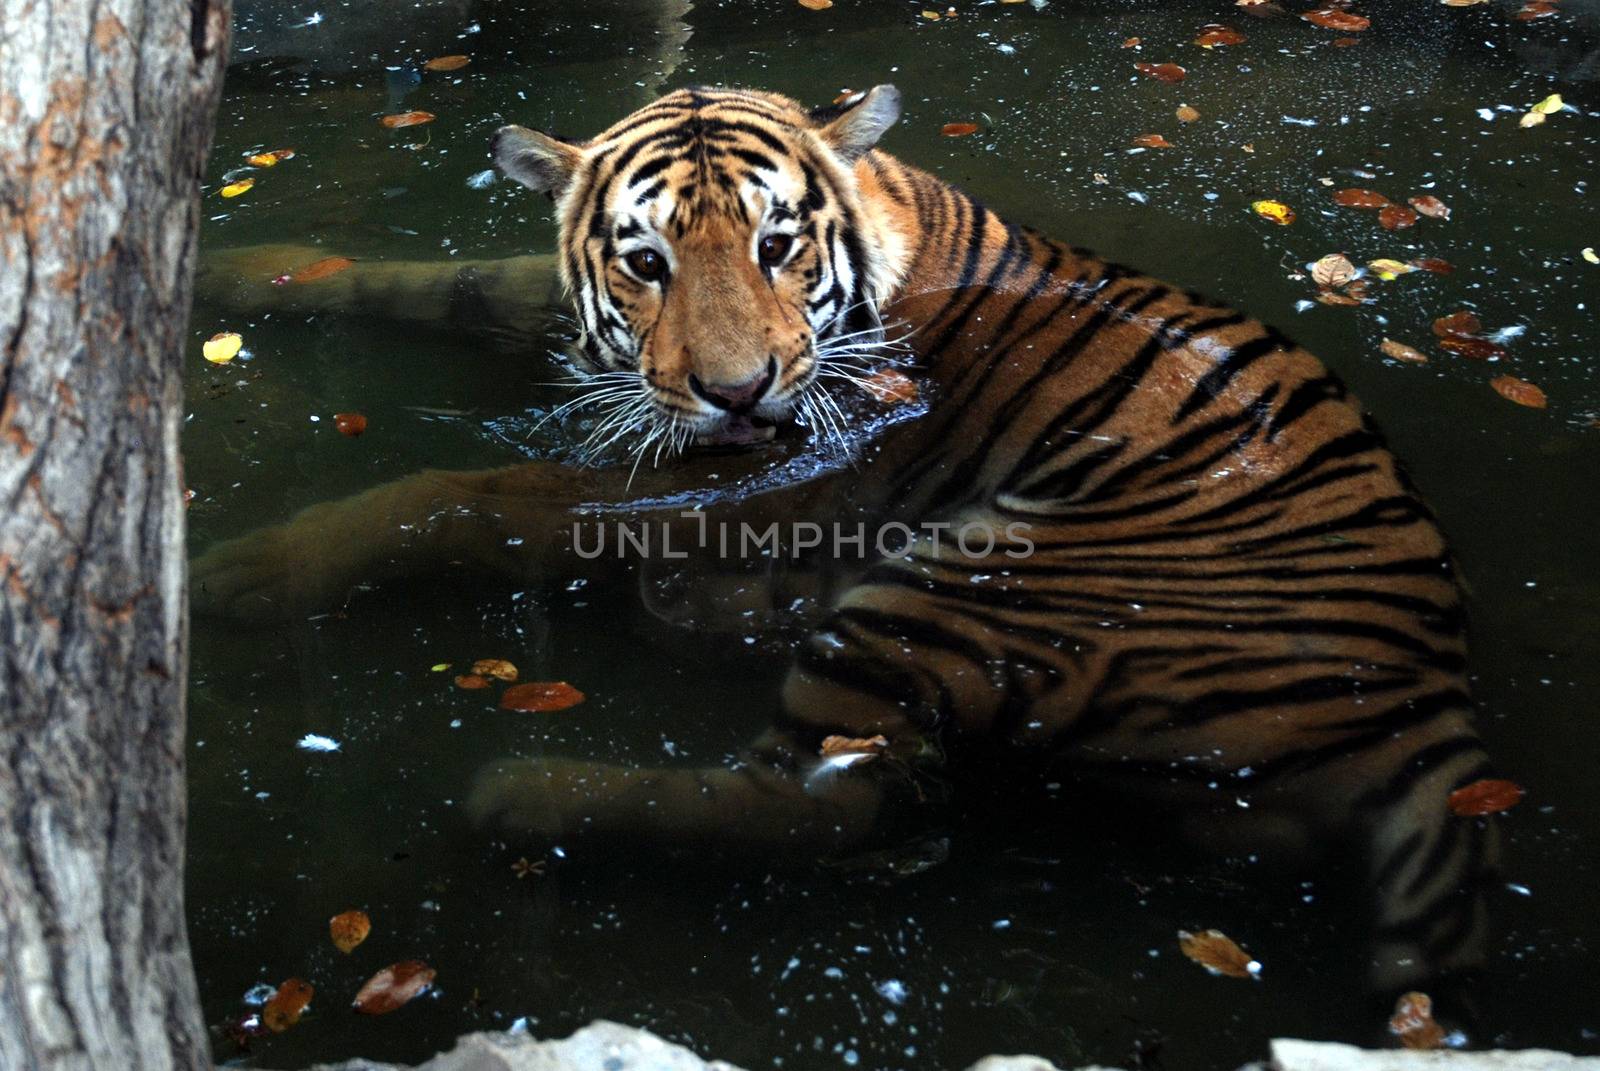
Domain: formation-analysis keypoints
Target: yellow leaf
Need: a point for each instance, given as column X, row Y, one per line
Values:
column 1532, row 119
column 1590, row 255
column 222, row 347
column 262, row 159
column 1276, row 211
column 234, row 189
column 934, row 15
column 446, row 63
column 1390, row 269
column 1550, row 105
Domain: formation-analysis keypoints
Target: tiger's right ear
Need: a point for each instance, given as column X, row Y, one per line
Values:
column 540, row 161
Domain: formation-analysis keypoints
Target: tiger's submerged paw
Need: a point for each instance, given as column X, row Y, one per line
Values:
column 272, row 575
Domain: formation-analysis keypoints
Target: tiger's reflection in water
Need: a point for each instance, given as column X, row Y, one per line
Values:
column 1205, row 583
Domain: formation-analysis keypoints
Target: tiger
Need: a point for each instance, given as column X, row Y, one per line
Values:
column 1203, row 582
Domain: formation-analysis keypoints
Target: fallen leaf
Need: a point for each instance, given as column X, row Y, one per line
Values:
column 1537, row 9
column 1430, row 206
column 1520, row 391
column 1386, row 268
column 321, row 269
column 934, row 15
column 1396, row 217
column 1413, row 1022
column 472, row 682
column 1462, row 324
column 349, row 929
column 1152, row 141
column 222, row 347
column 1435, row 265
column 1550, row 105
column 287, row 1005
column 1248, row 147
column 1354, row 198
column 1099, row 178
column 1590, row 255
column 1217, row 953
column 1490, row 795
column 1166, row 72
column 447, row 63
column 498, row 668
column 540, row 697
column 351, row 424
column 1276, row 211
column 1132, row 42
column 958, row 130
column 394, row 986
column 269, row 159
column 1187, row 114
column 1345, row 42
column 234, row 189
column 816, row 5
column 1334, row 269
column 1462, row 3
column 1532, row 119
column 1214, row 35
column 404, row 119
column 1333, row 297
column 438, row 667
column 1334, row 19
column 889, row 385
column 851, row 745
column 1479, row 349
column 1401, row 352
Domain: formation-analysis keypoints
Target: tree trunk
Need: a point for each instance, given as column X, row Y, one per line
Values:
column 106, row 112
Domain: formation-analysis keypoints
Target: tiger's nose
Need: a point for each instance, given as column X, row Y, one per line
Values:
column 737, row 397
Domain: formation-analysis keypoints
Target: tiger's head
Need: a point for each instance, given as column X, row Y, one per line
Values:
column 719, row 250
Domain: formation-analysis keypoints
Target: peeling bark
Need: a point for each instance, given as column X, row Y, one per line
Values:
column 106, row 112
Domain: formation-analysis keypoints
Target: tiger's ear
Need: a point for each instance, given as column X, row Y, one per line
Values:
column 542, row 162
column 854, row 126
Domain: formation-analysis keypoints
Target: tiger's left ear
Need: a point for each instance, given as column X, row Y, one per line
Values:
column 854, row 126
column 542, row 162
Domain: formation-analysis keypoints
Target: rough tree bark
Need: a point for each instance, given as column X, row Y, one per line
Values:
column 106, row 113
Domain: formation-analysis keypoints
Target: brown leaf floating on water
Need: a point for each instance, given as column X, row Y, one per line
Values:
column 349, row 929
column 1166, row 72
column 1333, row 18
column 498, row 668
column 321, row 269
column 446, row 63
column 1430, row 206
column 1490, row 795
column 1355, row 198
column 1401, row 352
column 284, row 1009
column 1413, row 1022
column 1520, row 391
column 1396, row 218
column 958, row 130
column 1462, row 324
column 1152, row 141
column 1217, row 953
column 540, row 697
column 405, row 119
column 394, row 986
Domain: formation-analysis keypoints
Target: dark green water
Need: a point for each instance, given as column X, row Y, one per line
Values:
column 1022, row 940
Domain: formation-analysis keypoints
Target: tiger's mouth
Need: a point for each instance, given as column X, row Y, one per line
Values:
column 738, row 429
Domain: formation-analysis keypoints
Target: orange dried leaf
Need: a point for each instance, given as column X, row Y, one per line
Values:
column 887, row 385
column 958, row 130
column 1345, row 42
column 1276, row 211
column 816, row 5
column 404, row 119
column 1152, row 141
column 1479, row 349
column 1212, row 36
column 234, row 189
column 1396, row 218
column 1462, row 324
column 1401, row 352
column 394, row 986
column 1333, row 297
column 1430, row 206
column 1360, row 199
column 1435, row 265
column 1332, row 18
column 287, row 1004
column 1166, row 72
column 498, row 668
column 1413, row 1022
column 1520, row 391
column 351, row 424
column 1132, row 42
column 1490, row 795
column 447, row 63
column 540, row 697
column 850, row 745
column 1217, row 953
column 472, row 682
column 1186, row 114
column 349, row 929
column 321, row 269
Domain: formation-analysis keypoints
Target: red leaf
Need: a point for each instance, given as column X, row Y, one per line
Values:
column 1214, row 35
column 958, row 130
column 395, row 122
column 351, row 424
column 446, row 63
column 1360, row 199
column 1166, row 72
column 1396, row 218
column 540, row 697
column 1522, row 392
column 394, row 986
column 1152, row 141
column 286, row 1005
column 1430, row 206
column 1479, row 349
column 1334, row 19
column 1489, row 796
column 1435, row 265
column 1461, row 324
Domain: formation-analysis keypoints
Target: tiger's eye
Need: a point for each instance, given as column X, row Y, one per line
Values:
column 647, row 264
column 773, row 248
